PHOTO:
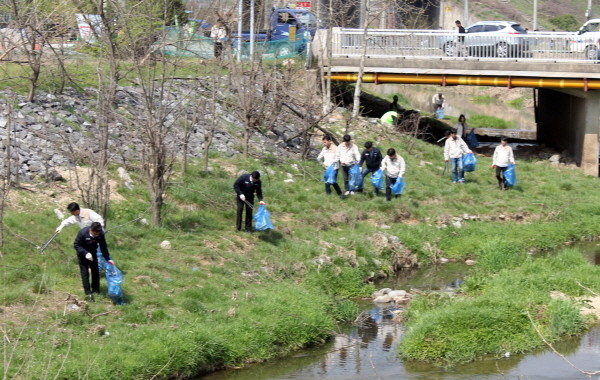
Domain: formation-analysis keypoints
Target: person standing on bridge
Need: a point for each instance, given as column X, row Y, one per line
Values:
column 460, row 41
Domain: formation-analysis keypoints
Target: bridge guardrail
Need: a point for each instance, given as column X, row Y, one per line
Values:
column 556, row 47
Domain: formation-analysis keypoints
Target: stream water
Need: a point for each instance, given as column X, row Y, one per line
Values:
column 370, row 352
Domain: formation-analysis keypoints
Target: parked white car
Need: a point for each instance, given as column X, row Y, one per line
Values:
column 586, row 40
column 490, row 39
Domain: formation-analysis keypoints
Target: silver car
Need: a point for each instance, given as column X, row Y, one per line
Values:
column 500, row 39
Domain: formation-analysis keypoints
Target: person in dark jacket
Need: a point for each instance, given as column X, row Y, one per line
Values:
column 88, row 240
column 245, row 187
column 372, row 157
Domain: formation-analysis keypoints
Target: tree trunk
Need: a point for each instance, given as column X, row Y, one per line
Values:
column 246, row 141
column 157, row 203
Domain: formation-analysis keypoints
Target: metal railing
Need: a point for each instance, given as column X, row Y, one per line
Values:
column 556, row 47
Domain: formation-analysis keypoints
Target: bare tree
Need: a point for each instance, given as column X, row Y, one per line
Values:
column 255, row 98
column 28, row 33
column 6, row 177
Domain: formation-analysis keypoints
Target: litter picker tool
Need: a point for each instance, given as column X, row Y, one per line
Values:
column 445, row 169
column 248, row 204
column 43, row 247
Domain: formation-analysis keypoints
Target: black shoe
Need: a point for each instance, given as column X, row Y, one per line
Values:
column 90, row 298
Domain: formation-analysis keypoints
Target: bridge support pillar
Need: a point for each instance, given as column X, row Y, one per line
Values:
column 570, row 119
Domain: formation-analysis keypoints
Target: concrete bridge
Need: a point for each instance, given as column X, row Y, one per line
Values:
column 563, row 72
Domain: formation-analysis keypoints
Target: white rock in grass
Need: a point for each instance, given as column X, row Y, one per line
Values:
column 289, row 180
column 397, row 293
column 383, row 299
column 470, row 262
column 165, row 244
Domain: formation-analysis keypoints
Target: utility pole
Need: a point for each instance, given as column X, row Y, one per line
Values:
column 252, row 30
column 588, row 12
column 535, row 7
column 238, row 54
column 466, row 18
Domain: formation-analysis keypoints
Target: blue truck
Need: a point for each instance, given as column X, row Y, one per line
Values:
column 290, row 30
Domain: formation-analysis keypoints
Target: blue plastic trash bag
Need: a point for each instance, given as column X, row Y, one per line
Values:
column 262, row 219
column 510, row 177
column 398, row 186
column 469, row 162
column 330, row 176
column 377, row 180
column 114, row 278
column 471, row 139
column 101, row 260
column 355, row 182
column 440, row 113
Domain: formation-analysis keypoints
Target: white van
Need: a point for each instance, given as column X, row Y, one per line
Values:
column 586, row 39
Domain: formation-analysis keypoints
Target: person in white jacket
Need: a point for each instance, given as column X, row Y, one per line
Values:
column 503, row 156
column 84, row 217
column 454, row 149
column 347, row 154
column 393, row 166
column 328, row 157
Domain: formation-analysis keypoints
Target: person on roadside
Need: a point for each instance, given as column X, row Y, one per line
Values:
column 328, row 157
column 347, row 155
column 372, row 157
column 460, row 41
column 86, row 242
column 503, row 156
column 84, row 217
column 219, row 34
column 245, row 187
column 438, row 101
column 461, row 127
column 454, row 150
column 393, row 166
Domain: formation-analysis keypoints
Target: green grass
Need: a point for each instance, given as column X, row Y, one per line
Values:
column 220, row 298
column 485, row 121
column 516, row 103
column 482, row 99
column 485, row 321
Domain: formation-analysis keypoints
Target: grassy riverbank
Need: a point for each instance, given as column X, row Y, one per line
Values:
column 220, row 298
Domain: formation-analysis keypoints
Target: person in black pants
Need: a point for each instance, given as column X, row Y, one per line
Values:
column 245, row 187
column 86, row 243
column 372, row 157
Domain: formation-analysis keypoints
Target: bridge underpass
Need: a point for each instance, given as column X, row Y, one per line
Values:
column 567, row 90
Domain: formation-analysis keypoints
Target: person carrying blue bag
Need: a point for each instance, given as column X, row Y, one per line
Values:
column 454, row 149
column 372, row 157
column 328, row 158
column 393, row 166
column 348, row 155
column 502, row 159
column 88, row 240
column 245, row 187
